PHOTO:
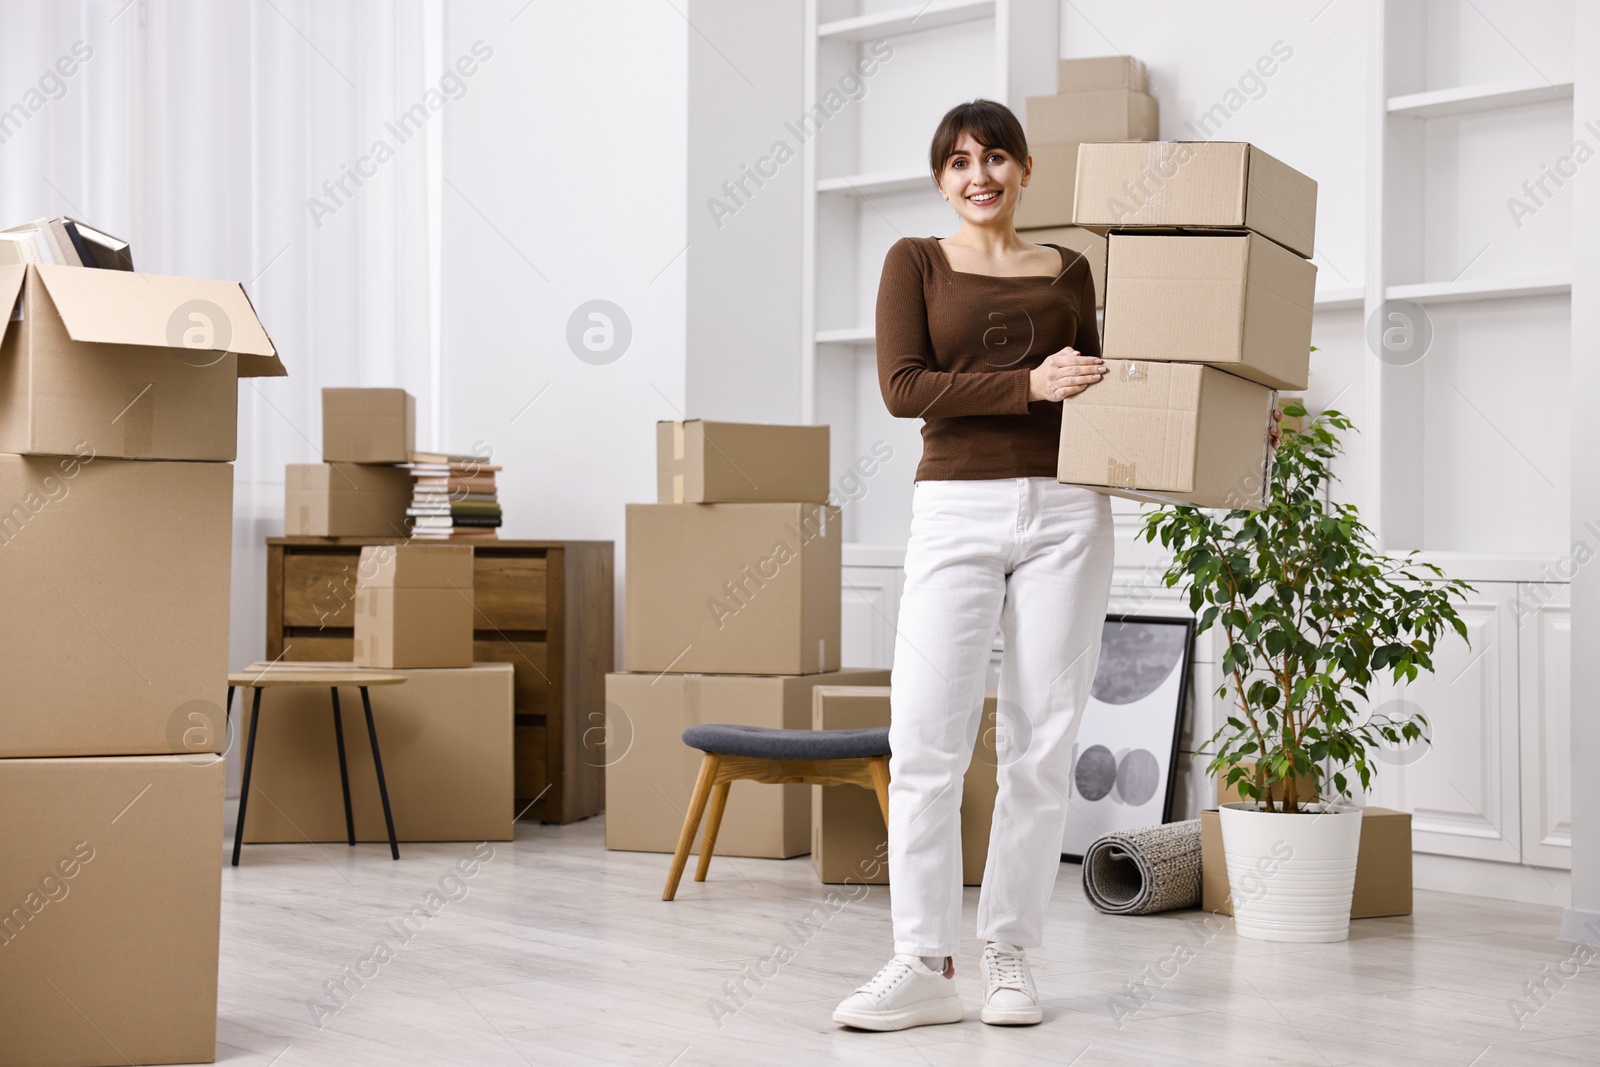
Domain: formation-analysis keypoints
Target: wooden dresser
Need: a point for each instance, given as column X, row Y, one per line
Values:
column 546, row 607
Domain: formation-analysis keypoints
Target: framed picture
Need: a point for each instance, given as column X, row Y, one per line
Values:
column 1125, row 757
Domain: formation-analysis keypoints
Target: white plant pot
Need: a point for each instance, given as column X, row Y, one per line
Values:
column 1291, row 876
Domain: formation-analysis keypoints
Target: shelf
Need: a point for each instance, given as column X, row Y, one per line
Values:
column 1475, row 99
column 883, row 181
column 1490, row 289
column 855, row 335
column 1338, row 299
column 914, row 18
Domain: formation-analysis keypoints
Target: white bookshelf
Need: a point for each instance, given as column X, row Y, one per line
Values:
column 909, row 19
column 868, row 183
column 1455, row 452
column 1475, row 99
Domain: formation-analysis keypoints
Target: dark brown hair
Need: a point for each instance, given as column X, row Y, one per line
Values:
column 991, row 124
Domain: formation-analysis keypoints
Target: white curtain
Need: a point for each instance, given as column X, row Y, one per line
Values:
column 201, row 131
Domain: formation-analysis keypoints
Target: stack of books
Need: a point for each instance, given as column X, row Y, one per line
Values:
column 453, row 498
column 65, row 241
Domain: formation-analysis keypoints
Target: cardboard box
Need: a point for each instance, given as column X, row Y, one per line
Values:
column 446, row 739
column 1196, row 183
column 1091, row 244
column 1101, row 72
column 137, row 366
column 650, row 773
column 733, row 588
column 345, row 500
column 414, row 606
column 1236, row 301
column 110, row 902
column 1047, row 200
column 1170, row 433
column 368, row 425
column 1305, row 785
column 1104, row 115
column 849, row 842
column 115, row 576
column 739, row 462
column 1383, row 865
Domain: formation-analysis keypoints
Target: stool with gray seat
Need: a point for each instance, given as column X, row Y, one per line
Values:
column 761, row 754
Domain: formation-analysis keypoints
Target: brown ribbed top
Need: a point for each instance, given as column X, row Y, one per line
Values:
column 955, row 350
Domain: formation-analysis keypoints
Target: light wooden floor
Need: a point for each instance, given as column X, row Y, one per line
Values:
column 561, row 952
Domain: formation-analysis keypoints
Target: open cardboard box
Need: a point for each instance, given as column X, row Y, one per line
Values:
column 139, row 366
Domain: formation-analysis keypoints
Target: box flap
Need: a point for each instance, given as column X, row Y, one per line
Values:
column 153, row 310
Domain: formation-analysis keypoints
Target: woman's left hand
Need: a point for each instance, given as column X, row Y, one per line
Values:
column 1275, row 427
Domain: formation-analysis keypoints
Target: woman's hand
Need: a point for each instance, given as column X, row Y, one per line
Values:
column 1066, row 373
column 1274, row 427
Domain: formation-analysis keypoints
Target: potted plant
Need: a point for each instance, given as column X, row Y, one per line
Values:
column 1312, row 614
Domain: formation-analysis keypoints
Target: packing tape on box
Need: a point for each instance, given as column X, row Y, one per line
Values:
column 305, row 520
column 1133, row 371
column 1122, row 475
column 677, row 440
column 677, row 488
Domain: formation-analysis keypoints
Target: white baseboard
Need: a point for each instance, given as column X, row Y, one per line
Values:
column 1580, row 925
column 1486, row 878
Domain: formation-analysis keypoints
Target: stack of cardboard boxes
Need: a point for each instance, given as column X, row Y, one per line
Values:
column 1208, row 298
column 1106, row 98
column 118, row 402
column 358, row 490
column 447, row 732
column 733, row 596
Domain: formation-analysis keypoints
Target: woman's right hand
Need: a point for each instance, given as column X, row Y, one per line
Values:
column 1066, row 373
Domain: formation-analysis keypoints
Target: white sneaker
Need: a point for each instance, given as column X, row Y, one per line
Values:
column 1009, row 995
column 904, row 994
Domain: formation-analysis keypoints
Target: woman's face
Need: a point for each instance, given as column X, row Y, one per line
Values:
column 982, row 183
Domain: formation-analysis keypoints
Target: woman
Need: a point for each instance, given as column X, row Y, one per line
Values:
column 982, row 335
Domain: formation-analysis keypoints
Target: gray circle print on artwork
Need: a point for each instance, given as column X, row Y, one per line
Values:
column 1135, row 658
column 1096, row 772
column 1138, row 774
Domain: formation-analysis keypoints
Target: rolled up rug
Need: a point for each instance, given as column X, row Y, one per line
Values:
column 1150, row 869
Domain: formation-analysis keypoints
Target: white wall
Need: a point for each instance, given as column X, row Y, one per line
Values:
column 745, row 196
column 200, row 130
column 565, row 183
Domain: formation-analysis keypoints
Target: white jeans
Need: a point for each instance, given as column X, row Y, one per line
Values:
column 1033, row 558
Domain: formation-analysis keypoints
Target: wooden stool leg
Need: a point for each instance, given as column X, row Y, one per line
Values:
column 708, row 843
column 691, row 822
column 878, row 767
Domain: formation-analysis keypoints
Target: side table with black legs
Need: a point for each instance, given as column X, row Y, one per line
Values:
column 281, row 677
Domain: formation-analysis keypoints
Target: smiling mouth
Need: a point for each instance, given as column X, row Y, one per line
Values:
column 984, row 198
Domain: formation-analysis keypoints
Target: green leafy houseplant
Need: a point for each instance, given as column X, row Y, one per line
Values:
column 1311, row 613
